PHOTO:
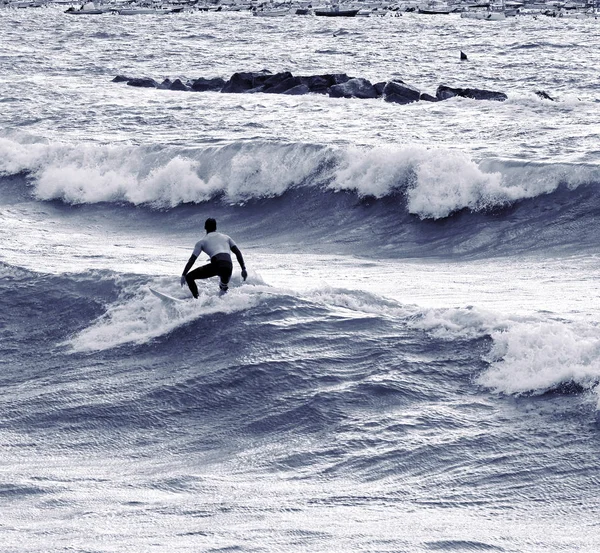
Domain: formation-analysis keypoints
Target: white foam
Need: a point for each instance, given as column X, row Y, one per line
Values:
column 377, row 171
column 436, row 182
column 357, row 302
column 459, row 323
column 143, row 317
column 439, row 181
column 91, row 173
column 529, row 354
column 540, row 356
column 16, row 157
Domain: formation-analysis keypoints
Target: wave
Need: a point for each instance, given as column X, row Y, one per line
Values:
column 139, row 317
column 435, row 183
column 520, row 354
column 528, row 355
column 95, row 358
column 392, row 202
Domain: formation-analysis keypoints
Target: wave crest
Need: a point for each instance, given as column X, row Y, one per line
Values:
column 434, row 182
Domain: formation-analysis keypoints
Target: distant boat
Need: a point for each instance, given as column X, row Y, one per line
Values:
column 86, row 9
column 434, row 11
column 83, row 11
column 590, row 13
column 435, row 8
column 485, row 12
column 336, row 12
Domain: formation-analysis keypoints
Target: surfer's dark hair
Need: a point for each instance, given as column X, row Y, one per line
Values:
column 210, row 225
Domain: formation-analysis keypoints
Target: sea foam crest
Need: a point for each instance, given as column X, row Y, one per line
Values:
column 143, row 318
column 540, row 356
column 435, row 182
column 528, row 355
column 438, row 182
column 162, row 177
column 460, row 323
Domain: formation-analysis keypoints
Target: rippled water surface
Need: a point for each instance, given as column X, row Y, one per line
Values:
column 57, row 71
column 414, row 362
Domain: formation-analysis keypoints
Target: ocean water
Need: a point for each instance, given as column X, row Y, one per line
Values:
column 414, row 361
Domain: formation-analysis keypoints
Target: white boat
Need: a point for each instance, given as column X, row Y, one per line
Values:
column 83, row 11
column 88, row 9
column 334, row 11
column 586, row 14
column 487, row 12
column 512, row 8
column 434, row 7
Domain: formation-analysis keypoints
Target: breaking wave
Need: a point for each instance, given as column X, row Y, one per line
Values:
column 433, row 182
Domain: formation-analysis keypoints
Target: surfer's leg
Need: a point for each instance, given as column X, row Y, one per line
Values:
column 206, row 271
column 224, row 271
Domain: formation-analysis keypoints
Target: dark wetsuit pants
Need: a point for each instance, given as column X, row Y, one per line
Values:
column 220, row 265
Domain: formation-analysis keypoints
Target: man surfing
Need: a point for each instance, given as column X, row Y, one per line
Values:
column 218, row 247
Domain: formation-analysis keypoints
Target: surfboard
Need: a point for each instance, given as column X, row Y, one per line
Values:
column 165, row 297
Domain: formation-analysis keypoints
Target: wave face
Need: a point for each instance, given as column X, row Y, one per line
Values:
column 343, row 397
column 403, row 200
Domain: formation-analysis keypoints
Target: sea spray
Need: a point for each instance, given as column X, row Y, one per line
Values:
column 435, row 182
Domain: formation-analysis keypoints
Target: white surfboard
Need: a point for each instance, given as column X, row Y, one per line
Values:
column 165, row 297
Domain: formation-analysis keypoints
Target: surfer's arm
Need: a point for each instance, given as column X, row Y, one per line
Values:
column 240, row 259
column 188, row 266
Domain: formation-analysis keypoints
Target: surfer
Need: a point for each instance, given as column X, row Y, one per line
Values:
column 218, row 247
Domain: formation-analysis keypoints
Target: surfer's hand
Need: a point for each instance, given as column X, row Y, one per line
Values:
column 183, row 281
column 244, row 274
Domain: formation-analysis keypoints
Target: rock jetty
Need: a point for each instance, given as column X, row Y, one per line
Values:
column 335, row 85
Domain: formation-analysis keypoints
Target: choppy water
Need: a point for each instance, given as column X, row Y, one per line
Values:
column 413, row 363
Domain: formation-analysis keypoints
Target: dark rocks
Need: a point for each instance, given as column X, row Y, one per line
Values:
column 254, row 90
column 445, row 92
column 424, row 97
column 336, row 85
column 379, row 88
column 203, row 85
column 177, row 84
column 297, row 90
column 320, row 84
column 477, row 94
column 272, row 84
column 143, row 82
column 353, row 88
column 243, row 82
column 165, row 84
column 284, row 85
column 276, row 79
column 400, row 93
